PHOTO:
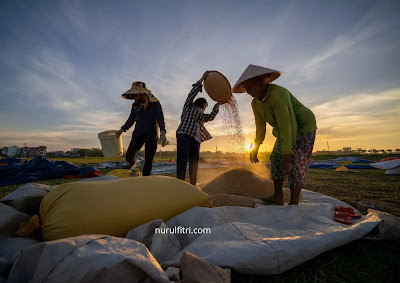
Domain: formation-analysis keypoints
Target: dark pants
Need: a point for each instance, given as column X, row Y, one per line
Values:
column 149, row 152
column 188, row 149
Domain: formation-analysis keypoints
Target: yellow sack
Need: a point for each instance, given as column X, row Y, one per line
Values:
column 114, row 207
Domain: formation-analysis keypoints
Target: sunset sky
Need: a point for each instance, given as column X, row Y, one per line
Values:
column 65, row 64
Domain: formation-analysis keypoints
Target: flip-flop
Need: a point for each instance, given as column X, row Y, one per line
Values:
column 346, row 209
column 349, row 210
column 343, row 217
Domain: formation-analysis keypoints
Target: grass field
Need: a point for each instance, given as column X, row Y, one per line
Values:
column 359, row 261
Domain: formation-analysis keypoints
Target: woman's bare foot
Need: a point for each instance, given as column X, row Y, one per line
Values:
column 273, row 200
column 294, row 195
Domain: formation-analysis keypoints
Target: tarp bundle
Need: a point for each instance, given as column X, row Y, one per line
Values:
column 334, row 164
column 323, row 164
column 41, row 168
column 352, row 159
column 392, row 166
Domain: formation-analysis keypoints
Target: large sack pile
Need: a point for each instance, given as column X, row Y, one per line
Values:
column 235, row 187
column 264, row 240
column 114, row 207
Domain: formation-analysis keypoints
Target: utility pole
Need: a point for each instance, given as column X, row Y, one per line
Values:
column 328, row 145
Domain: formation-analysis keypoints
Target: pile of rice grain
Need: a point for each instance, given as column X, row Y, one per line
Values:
column 230, row 200
column 242, row 182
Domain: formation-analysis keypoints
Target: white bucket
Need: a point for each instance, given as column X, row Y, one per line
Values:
column 111, row 146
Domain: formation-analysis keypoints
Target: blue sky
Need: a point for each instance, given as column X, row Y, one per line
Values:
column 65, row 64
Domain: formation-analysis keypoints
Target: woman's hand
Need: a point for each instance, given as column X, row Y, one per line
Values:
column 163, row 138
column 204, row 76
column 286, row 166
column 118, row 133
column 254, row 153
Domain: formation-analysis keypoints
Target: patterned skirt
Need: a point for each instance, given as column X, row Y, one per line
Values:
column 300, row 159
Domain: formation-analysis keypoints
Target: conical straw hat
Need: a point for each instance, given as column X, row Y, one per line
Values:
column 253, row 71
column 217, row 87
column 139, row 88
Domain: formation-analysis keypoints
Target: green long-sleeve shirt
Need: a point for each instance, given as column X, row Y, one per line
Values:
column 285, row 114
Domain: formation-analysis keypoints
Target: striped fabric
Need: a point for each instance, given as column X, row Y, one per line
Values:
column 192, row 116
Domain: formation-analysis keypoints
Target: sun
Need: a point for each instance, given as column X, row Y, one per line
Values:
column 250, row 147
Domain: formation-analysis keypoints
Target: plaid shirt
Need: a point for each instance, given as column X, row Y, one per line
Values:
column 192, row 117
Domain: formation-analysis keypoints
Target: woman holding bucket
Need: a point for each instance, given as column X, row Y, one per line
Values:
column 148, row 115
column 293, row 124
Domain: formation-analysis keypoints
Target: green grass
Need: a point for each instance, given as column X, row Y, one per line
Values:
column 358, row 261
column 364, row 185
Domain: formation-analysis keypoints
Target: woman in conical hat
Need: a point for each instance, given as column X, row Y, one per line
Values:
column 148, row 115
column 293, row 124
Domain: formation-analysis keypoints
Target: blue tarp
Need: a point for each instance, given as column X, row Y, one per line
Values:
column 353, row 159
column 333, row 165
column 323, row 164
column 359, row 167
column 39, row 168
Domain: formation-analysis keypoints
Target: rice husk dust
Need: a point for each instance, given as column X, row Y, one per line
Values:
column 232, row 126
column 245, row 183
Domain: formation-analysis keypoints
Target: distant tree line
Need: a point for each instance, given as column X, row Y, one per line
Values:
column 92, row 152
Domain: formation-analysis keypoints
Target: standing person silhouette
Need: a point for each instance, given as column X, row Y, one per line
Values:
column 148, row 115
column 294, row 127
column 191, row 132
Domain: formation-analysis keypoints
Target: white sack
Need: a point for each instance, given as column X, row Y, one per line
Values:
column 89, row 258
column 27, row 198
column 9, row 220
column 389, row 228
column 9, row 249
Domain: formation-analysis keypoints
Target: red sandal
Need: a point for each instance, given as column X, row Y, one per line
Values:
column 341, row 210
column 343, row 217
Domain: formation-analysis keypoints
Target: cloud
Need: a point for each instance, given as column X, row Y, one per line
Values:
column 375, row 22
column 366, row 119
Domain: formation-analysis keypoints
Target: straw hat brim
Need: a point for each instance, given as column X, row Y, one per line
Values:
column 253, row 71
column 141, row 91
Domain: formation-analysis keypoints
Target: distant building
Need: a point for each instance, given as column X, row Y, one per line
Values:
column 33, row 151
column 75, row 150
column 347, row 149
column 11, row 151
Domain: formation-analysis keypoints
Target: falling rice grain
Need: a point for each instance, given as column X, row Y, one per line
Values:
column 232, row 126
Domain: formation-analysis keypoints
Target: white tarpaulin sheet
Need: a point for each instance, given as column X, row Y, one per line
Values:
column 264, row 240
